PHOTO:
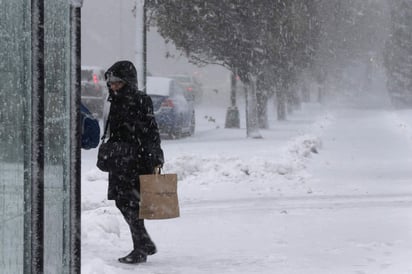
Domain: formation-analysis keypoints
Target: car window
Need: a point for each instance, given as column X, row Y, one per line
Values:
column 174, row 89
column 101, row 75
column 92, row 74
column 188, row 95
column 87, row 75
column 181, row 78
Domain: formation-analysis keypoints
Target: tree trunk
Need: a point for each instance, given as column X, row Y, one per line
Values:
column 305, row 92
column 262, row 107
column 281, row 103
column 252, row 125
column 289, row 100
column 232, row 113
column 293, row 99
column 320, row 94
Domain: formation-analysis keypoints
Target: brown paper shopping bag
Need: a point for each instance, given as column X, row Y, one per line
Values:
column 158, row 196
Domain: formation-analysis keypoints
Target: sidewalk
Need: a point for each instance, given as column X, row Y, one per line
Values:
column 364, row 174
column 365, row 152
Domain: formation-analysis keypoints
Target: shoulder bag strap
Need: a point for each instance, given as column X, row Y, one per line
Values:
column 106, row 126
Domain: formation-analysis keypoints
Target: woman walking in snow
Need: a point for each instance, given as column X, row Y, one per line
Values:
column 131, row 120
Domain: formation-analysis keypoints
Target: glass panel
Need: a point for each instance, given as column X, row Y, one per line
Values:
column 15, row 93
column 57, row 48
column 15, row 132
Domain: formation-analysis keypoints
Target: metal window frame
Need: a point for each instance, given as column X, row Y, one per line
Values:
column 36, row 252
column 75, row 138
column 34, row 223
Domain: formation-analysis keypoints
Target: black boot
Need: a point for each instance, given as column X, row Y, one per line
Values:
column 134, row 257
column 142, row 240
column 149, row 248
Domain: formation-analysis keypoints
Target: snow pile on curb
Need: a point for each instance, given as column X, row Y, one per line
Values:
column 200, row 176
column 297, row 153
column 191, row 167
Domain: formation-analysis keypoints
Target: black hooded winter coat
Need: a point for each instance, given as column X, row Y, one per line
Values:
column 131, row 120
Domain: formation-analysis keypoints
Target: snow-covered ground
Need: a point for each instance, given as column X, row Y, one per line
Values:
column 323, row 192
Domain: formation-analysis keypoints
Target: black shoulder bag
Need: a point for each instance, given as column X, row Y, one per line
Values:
column 116, row 156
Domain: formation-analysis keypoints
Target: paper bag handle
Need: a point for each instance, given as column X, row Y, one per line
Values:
column 157, row 170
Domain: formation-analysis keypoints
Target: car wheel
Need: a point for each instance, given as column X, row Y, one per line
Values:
column 176, row 130
column 175, row 133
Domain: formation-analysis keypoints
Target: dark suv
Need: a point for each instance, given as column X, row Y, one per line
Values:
column 94, row 89
column 192, row 87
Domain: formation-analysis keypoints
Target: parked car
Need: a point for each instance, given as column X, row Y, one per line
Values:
column 93, row 89
column 175, row 113
column 192, row 87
